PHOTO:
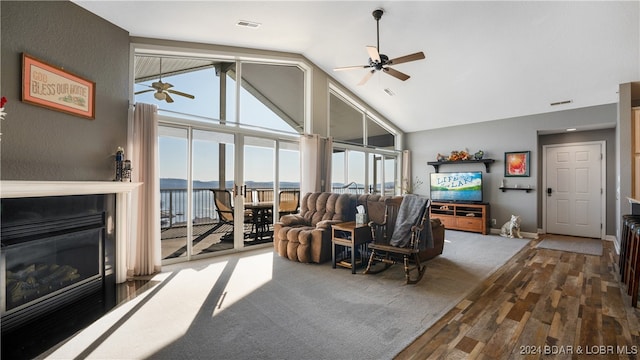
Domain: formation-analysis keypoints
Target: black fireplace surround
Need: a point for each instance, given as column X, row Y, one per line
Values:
column 55, row 251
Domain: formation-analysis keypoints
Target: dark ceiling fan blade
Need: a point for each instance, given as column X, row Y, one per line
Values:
column 143, row 91
column 351, row 67
column 379, row 61
column 373, row 53
column 168, row 98
column 366, row 77
column 181, row 94
column 395, row 73
column 407, row 58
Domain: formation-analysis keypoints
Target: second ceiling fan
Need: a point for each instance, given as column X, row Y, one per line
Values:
column 381, row 62
column 163, row 89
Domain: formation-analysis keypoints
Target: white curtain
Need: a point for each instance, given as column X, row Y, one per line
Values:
column 144, row 256
column 407, row 186
column 315, row 163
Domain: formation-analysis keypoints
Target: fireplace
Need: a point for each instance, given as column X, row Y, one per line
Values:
column 55, row 250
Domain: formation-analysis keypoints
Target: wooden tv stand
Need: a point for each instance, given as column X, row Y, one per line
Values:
column 462, row 216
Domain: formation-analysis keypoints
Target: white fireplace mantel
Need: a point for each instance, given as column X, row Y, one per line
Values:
column 23, row 189
column 18, row 188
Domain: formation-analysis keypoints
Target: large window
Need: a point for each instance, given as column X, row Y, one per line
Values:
column 289, row 165
column 224, row 126
column 365, row 158
column 346, row 122
column 187, row 87
column 271, row 96
column 350, row 124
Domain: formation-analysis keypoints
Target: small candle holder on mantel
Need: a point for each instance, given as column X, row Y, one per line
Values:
column 122, row 166
column 126, row 171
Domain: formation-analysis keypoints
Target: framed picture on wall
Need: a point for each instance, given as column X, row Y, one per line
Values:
column 517, row 163
column 56, row 89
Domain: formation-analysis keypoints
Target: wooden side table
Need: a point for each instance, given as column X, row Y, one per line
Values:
column 350, row 235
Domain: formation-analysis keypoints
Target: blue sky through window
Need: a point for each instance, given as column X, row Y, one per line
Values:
column 205, row 86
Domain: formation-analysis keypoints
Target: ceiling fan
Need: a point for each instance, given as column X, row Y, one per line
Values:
column 163, row 89
column 381, row 62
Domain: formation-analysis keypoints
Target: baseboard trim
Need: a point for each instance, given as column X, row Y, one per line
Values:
column 527, row 235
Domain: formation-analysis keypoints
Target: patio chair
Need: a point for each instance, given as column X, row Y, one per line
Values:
column 265, row 194
column 411, row 234
column 289, row 201
column 224, row 207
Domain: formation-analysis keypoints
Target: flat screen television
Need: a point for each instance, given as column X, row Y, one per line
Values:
column 456, row 186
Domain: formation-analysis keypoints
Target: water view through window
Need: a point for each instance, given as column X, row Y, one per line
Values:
column 198, row 160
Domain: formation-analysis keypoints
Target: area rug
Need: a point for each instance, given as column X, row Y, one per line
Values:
column 257, row 305
column 585, row 246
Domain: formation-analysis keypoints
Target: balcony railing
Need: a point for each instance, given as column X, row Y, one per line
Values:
column 173, row 203
column 354, row 188
column 173, row 207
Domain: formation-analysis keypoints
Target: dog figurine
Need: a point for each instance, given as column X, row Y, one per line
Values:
column 511, row 228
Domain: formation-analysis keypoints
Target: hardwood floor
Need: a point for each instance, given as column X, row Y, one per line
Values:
column 541, row 304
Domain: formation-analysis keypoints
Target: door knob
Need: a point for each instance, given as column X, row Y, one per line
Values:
column 549, row 191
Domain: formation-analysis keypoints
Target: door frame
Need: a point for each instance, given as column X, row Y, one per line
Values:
column 603, row 182
column 238, row 134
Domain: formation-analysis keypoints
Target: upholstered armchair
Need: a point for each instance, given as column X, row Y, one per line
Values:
column 306, row 236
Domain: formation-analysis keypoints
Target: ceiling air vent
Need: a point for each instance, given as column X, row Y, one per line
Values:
column 561, row 102
column 248, row 24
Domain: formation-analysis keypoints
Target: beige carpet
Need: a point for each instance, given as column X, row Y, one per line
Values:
column 257, row 305
column 587, row 246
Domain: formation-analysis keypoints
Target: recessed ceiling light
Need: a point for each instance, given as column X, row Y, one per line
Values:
column 248, row 24
column 572, row 129
column 389, row 92
column 561, row 102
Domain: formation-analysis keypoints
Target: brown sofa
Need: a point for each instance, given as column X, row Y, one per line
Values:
column 306, row 236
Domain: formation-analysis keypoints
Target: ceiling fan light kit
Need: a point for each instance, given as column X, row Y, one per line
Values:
column 162, row 89
column 381, row 62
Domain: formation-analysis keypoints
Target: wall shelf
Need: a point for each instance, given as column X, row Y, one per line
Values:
column 514, row 188
column 486, row 162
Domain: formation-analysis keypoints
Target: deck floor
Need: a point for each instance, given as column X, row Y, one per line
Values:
column 210, row 237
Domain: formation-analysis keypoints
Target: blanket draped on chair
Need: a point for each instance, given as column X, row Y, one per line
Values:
column 411, row 210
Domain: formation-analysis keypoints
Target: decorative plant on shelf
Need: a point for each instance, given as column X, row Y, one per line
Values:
column 460, row 155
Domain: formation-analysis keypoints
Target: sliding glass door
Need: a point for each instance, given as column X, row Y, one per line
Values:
column 259, row 188
column 173, row 156
column 383, row 174
column 212, row 172
column 214, row 198
column 192, row 164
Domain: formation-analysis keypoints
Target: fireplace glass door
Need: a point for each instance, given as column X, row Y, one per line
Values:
column 40, row 269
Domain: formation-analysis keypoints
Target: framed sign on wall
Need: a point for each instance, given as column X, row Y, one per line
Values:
column 57, row 89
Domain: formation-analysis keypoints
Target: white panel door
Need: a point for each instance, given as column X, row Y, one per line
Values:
column 573, row 177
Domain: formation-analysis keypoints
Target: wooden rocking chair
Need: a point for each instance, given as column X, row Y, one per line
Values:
column 383, row 251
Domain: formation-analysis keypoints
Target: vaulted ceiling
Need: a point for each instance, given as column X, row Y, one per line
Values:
column 484, row 60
